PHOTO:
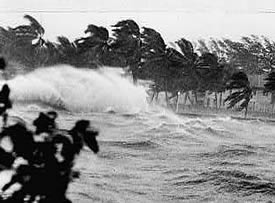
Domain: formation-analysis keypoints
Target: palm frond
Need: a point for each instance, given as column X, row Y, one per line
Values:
column 186, row 47
column 243, row 92
column 35, row 24
column 207, row 60
column 125, row 28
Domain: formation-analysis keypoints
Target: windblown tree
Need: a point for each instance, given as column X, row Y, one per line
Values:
column 177, row 80
column 202, row 46
column 197, row 69
column 242, row 91
column 255, row 55
column 53, row 54
column 270, row 86
column 161, row 64
column 204, row 72
column 218, row 50
column 24, row 43
column 127, row 44
column 189, row 80
column 263, row 50
column 68, row 53
column 268, row 58
column 179, row 72
column 95, row 47
column 154, row 61
column 211, row 74
column 252, row 54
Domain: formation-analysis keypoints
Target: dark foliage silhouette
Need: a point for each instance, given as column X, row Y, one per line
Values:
column 2, row 63
column 270, row 82
column 242, row 91
column 43, row 167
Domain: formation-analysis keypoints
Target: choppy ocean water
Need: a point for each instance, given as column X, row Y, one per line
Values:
column 148, row 154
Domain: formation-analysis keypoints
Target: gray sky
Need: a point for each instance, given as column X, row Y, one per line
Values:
column 174, row 19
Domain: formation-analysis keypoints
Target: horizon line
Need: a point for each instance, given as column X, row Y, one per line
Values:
column 141, row 11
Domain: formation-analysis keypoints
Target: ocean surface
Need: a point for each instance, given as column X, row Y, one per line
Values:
column 147, row 153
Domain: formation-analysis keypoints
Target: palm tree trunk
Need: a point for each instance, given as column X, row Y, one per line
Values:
column 177, row 103
column 166, row 98
column 157, row 97
column 188, row 97
column 206, row 99
column 134, row 68
column 185, row 98
column 166, row 94
column 216, row 100
column 196, row 97
column 220, row 105
column 152, row 98
column 245, row 113
column 272, row 101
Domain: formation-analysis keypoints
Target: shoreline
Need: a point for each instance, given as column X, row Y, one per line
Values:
column 215, row 113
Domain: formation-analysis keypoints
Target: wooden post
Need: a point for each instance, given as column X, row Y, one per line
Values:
column 177, row 102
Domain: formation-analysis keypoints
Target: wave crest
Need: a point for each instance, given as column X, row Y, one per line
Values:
column 78, row 90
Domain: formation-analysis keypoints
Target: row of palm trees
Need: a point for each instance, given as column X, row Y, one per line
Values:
column 212, row 66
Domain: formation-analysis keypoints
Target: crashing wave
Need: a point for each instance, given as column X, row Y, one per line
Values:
column 78, row 90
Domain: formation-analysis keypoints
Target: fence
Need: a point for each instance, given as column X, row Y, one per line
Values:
column 207, row 106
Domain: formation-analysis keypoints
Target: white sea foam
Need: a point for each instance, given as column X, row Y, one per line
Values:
column 79, row 90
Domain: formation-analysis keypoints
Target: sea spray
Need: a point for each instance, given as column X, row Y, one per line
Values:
column 79, row 90
column 84, row 90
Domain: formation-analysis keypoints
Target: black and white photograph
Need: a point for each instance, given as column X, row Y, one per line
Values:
column 126, row 101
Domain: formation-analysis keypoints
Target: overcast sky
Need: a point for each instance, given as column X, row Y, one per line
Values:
column 174, row 19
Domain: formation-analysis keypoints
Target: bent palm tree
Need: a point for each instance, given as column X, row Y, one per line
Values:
column 211, row 74
column 243, row 95
column 127, row 44
column 203, row 73
column 95, row 47
column 67, row 51
column 161, row 64
column 24, row 43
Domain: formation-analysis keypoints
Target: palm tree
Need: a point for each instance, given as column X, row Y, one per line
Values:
column 243, row 93
column 127, row 44
column 187, row 79
column 211, row 74
column 203, row 73
column 159, row 63
column 24, row 43
column 68, row 53
column 178, row 72
column 153, row 61
column 95, row 46
column 270, row 86
column 250, row 54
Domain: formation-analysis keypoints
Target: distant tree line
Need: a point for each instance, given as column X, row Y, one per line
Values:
column 204, row 66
